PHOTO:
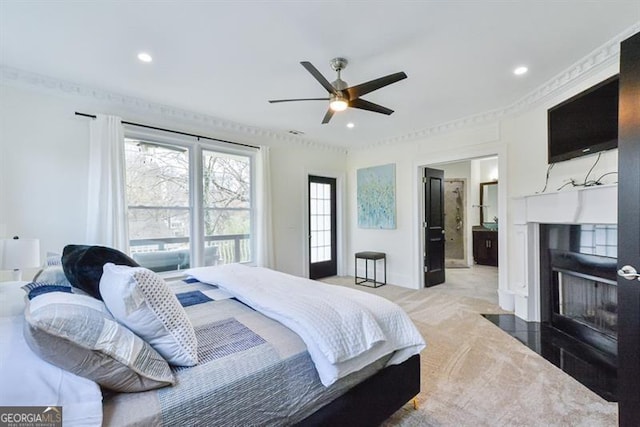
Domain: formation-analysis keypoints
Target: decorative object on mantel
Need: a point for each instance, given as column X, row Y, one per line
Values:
column 17, row 254
column 377, row 197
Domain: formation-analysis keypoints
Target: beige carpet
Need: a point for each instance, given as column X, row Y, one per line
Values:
column 474, row 374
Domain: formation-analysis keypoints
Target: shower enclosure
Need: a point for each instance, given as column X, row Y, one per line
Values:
column 454, row 223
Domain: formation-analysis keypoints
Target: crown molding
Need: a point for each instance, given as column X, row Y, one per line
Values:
column 601, row 57
column 20, row 78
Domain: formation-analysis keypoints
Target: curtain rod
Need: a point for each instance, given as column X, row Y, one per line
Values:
column 93, row 116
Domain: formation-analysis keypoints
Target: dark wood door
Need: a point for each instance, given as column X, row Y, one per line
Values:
column 433, row 227
column 629, row 233
column 322, row 227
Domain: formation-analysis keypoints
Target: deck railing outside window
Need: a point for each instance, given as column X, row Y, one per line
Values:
column 172, row 253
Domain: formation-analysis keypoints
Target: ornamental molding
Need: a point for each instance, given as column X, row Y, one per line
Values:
column 601, row 57
column 21, row 78
column 598, row 58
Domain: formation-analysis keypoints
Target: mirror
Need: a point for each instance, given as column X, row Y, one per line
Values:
column 489, row 204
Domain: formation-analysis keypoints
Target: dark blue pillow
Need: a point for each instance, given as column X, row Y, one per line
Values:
column 83, row 264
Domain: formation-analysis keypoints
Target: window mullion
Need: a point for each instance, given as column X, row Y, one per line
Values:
column 197, row 213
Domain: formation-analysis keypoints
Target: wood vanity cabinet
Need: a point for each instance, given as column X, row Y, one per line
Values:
column 485, row 247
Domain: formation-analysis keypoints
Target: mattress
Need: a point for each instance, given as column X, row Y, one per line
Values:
column 252, row 370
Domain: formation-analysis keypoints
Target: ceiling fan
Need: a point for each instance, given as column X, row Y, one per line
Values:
column 341, row 95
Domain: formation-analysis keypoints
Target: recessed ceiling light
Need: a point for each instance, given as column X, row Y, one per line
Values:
column 350, row 125
column 520, row 71
column 144, row 57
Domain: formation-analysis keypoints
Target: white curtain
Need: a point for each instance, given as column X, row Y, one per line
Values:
column 107, row 210
column 264, row 227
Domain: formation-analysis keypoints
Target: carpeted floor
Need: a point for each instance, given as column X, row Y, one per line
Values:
column 474, row 374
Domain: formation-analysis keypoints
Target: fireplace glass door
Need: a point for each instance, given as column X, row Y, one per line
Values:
column 589, row 301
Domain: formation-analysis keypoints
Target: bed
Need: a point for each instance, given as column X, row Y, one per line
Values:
column 255, row 366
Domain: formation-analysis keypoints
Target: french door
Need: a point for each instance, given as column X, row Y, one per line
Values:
column 322, row 227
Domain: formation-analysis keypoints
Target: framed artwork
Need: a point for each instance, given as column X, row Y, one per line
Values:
column 376, row 192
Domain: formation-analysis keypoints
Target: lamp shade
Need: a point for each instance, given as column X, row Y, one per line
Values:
column 19, row 253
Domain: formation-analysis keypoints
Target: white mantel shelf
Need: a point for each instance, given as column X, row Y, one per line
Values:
column 581, row 205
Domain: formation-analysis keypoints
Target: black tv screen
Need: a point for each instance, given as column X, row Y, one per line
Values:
column 584, row 124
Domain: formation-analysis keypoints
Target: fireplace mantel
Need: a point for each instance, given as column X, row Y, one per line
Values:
column 581, row 205
column 590, row 205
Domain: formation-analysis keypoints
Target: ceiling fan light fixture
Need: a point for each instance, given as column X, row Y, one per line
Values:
column 338, row 103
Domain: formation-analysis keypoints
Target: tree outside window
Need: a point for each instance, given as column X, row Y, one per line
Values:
column 159, row 207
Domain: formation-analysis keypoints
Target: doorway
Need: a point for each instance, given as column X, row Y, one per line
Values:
column 455, row 195
column 462, row 208
column 322, row 227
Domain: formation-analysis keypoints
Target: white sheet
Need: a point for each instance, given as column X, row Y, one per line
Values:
column 28, row 380
column 344, row 329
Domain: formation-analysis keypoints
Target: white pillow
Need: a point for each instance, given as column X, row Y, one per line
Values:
column 142, row 301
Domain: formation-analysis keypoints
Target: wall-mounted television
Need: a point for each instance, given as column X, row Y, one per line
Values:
column 584, row 124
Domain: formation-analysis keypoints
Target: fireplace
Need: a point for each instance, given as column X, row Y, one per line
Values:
column 578, row 289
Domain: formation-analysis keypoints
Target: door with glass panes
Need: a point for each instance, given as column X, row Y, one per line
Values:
column 322, row 227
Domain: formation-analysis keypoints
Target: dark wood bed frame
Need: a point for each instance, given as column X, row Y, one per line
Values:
column 373, row 400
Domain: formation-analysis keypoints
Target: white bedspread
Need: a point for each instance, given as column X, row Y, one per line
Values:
column 344, row 329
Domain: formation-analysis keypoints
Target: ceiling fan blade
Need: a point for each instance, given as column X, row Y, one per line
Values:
column 369, row 106
column 370, row 86
column 327, row 116
column 273, row 101
column 319, row 77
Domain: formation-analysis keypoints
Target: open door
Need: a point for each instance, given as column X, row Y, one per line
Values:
column 629, row 234
column 433, row 182
column 323, row 259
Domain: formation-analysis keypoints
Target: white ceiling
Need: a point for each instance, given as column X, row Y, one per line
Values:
column 227, row 58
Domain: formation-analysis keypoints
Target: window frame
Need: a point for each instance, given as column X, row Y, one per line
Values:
column 195, row 147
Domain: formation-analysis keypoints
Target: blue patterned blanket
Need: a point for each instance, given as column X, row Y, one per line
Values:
column 253, row 371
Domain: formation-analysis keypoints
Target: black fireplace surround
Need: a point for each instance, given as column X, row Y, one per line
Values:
column 578, row 291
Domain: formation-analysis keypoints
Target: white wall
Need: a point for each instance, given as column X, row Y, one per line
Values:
column 520, row 140
column 403, row 245
column 43, row 168
column 291, row 167
column 43, row 172
column 527, row 168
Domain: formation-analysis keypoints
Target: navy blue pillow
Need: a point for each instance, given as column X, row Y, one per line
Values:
column 83, row 264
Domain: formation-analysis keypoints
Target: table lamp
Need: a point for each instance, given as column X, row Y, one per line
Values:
column 17, row 254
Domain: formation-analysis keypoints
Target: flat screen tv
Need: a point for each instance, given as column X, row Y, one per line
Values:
column 584, row 124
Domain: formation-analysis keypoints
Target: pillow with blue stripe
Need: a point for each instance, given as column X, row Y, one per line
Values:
column 35, row 289
column 52, row 274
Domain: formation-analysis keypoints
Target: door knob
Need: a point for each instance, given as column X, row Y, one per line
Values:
column 629, row 273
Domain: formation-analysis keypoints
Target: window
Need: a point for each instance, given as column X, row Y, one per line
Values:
column 599, row 239
column 227, row 205
column 320, row 215
column 189, row 204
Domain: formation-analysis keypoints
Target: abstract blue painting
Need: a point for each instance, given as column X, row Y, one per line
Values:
column 377, row 197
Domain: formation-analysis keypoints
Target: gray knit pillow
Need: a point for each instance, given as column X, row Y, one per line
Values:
column 77, row 333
